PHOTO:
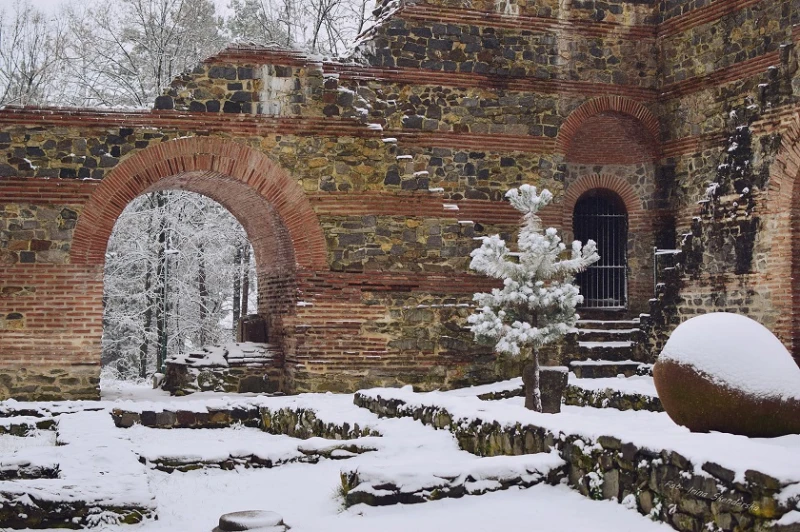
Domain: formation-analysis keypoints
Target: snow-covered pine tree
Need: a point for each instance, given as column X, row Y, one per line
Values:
column 537, row 303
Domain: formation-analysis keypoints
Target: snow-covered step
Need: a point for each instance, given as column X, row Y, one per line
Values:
column 629, row 393
column 600, row 369
column 608, row 324
column 606, row 345
column 606, row 350
column 607, row 335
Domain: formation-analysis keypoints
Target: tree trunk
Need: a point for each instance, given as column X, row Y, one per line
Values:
column 144, row 347
column 245, row 279
column 203, row 290
column 160, row 300
column 237, row 286
column 151, row 282
column 530, row 378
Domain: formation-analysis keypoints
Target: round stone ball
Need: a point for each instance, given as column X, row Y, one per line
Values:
column 728, row 373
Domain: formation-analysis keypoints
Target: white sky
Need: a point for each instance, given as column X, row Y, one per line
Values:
column 53, row 5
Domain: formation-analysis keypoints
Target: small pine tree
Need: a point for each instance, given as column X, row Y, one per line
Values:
column 537, row 303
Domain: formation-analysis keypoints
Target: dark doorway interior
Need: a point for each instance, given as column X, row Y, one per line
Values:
column 600, row 215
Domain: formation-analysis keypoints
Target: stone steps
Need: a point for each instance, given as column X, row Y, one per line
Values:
column 600, row 369
column 617, row 350
column 607, row 324
column 609, row 345
column 606, row 335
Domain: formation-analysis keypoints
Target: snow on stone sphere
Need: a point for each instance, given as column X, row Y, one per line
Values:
column 737, row 352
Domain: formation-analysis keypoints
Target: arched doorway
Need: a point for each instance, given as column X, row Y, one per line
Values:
column 286, row 236
column 600, row 215
column 178, row 276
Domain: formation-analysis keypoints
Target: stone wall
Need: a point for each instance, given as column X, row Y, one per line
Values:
column 437, row 37
column 662, row 485
column 223, row 84
column 296, row 422
column 362, row 183
column 610, row 398
column 183, row 380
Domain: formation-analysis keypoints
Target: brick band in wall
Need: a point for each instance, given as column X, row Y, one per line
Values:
column 460, row 79
column 46, row 191
column 198, row 123
column 52, row 309
column 585, row 28
column 697, row 16
column 741, row 70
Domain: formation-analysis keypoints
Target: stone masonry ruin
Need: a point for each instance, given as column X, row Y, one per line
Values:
column 362, row 183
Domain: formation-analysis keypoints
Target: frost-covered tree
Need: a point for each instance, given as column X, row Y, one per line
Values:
column 537, row 303
column 32, row 53
column 261, row 22
column 174, row 261
column 126, row 52
column 325, row 27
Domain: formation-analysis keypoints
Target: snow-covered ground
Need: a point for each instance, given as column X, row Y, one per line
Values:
column 408, row 453
column 778, row 457
column 307, row 494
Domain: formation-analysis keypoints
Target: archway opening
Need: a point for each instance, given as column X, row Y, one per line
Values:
column 600, row 215
column 179, row 273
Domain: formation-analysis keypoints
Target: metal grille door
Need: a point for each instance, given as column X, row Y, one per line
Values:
column 602, row 218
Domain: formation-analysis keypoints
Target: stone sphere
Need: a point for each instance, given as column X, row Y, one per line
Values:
column 725, row 372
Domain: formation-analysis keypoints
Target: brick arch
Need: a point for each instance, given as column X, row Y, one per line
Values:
column 609, row 106
column 214, row 167
column 639, row 224
column 272, row 244
column 782, row 206
column 620, row 187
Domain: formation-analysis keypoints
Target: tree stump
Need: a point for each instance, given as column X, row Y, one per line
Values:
column 552, row 383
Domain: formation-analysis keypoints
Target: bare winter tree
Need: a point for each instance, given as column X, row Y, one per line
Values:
column 31, row 55
column 319, row 26
column 257, row 21
column 124, row 53
column 138, row 46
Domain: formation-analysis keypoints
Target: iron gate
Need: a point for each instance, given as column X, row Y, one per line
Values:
column 602, row 217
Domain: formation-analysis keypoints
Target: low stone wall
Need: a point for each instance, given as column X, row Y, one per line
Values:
column 309, row 456
column 187, row 419
column 27, row 472
column 51, row 383
column 72, row 515
column 182, row 380
column 664, row 486
column 299, row 423
column 505, row 394
column 473, row 435
column 610, row 398
column 43, row 492
column 442, row 488
column 23, row 428
column 304, row 424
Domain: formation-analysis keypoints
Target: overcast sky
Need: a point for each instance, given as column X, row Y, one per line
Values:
column 53, row 5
